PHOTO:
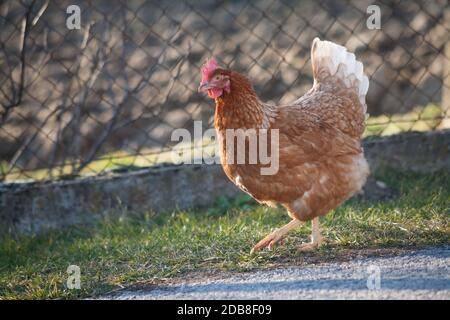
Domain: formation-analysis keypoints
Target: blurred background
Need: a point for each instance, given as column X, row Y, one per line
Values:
column 108, row 96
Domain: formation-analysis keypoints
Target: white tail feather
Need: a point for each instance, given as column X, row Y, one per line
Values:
column 332, row 59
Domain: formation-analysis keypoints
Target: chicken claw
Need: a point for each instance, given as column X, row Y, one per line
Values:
column 268, row 241
column 304, row 247
column 316, row 237
column 275, row 236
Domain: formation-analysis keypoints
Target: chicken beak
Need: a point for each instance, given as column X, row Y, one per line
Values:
column 204, row 86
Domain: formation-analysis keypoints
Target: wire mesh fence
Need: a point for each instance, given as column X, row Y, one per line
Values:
column 108, row 95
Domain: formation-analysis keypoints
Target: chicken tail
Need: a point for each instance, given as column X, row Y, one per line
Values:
column 330, row 59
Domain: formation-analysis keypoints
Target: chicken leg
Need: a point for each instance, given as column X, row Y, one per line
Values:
column 316, row 238
column 276, row 236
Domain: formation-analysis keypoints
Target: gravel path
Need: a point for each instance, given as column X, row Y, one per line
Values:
column 421, row 274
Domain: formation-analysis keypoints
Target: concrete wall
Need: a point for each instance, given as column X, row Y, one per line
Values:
column 33, row 207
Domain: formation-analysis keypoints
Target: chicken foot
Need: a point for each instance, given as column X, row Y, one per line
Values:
column 276, row 236
column 316, row 237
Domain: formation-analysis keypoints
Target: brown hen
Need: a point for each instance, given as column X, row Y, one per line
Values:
column 320, row 158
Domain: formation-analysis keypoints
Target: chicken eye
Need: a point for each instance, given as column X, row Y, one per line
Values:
column 217, row 77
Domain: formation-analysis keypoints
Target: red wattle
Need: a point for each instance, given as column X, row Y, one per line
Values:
column 215, row 92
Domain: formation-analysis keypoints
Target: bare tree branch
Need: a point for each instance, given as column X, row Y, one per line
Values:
column 18, row 94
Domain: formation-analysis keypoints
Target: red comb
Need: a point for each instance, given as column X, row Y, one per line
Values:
column 208, row 69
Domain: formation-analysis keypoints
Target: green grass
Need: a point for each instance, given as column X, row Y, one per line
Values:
column 144, row 248
column 420, row 119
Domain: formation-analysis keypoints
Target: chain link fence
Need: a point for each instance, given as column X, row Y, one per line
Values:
column 108, row 96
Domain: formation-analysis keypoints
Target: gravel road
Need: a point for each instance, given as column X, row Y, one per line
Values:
column 420, row 274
